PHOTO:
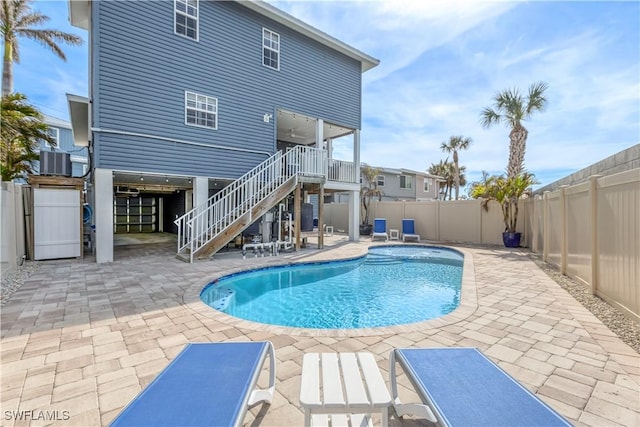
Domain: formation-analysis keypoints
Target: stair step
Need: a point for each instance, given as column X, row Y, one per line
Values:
column 183, row 257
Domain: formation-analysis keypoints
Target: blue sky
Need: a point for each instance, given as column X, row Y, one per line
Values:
column 441, row 63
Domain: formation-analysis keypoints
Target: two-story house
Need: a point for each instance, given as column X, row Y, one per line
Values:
column 210, row 113
column 60, row 131
column 406, row 184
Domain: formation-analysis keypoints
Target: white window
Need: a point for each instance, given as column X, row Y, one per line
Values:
column 380, row 180
column 200, row 110
column 427, row 184
column 186, row 18
column 406, row 182
column 270, row 49
column 54, row 133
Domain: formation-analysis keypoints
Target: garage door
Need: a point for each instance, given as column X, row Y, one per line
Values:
column 56, row 223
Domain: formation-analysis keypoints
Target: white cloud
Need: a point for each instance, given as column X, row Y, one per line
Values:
column 396, row 31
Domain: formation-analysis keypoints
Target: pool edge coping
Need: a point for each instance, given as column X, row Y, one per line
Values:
column 467, row 306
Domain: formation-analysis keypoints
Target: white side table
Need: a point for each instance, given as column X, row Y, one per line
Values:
column 326, row 375
column 394, row 234
column 328, row 230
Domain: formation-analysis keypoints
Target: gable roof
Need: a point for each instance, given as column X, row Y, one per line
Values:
column 402, row 171
column 79, row 11
column 56, row 122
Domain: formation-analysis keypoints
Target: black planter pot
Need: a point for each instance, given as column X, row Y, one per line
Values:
column 365, row 229
column 511, row 240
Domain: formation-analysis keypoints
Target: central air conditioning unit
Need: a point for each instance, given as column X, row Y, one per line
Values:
column 55, row 163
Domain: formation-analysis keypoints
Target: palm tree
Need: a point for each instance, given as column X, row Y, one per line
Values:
column 443, row 169
column 477, row 187
column 455, row 144
column 17, row 19
column 22, row 130
column 511, row 108
column 369, row 188
column 507, row 192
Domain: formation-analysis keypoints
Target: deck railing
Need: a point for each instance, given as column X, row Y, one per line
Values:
column 341, row 171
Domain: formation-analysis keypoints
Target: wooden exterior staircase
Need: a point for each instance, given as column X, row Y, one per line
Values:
column 208, row 228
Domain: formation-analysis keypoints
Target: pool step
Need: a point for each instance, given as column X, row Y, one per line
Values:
column 382, row 260
column 222, row 298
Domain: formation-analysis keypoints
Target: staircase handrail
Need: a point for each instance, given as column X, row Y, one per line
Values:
column 200, row 225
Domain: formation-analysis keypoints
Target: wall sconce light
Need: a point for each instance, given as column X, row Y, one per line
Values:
column 267, row 117
column 141, row 178
column 189, row 181
column 166, row 179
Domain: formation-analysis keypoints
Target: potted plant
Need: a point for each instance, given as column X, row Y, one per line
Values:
column 507, row 192
column 369, row 190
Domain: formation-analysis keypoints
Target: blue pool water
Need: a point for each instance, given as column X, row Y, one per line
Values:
column 391, row 285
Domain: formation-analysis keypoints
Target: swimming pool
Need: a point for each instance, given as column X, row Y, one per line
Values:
column 391, row 285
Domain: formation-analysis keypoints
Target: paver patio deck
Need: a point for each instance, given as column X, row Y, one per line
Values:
column 80, row 339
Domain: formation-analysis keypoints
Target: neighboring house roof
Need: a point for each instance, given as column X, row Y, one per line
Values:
column 55, row 122
column 425, row 174
column 79, row 16
column 403, row 171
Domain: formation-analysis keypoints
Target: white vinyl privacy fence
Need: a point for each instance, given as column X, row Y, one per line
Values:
column 57, row 225
column 590, row 231
column 461, row 221
column 13, row 249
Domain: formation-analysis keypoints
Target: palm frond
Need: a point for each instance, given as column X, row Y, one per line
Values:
column 536, row 101
column 30, row 19
column 489, row 117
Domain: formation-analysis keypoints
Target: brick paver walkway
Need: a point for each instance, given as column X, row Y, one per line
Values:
column 80, row 339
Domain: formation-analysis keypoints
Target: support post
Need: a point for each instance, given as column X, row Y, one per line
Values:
column 103, row 212
column 321, row 217
column 354, row 216
column 354, row 196
column 545, row 227
column 200, row 190
column 535, row 228
column 595, row 254
column 319, row 133
column 297, row 206
column 564, row 232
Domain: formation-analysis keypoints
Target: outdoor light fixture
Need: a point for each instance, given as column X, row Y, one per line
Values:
column 267, row 117
column 166, row 179
column 141, row 178
column 189, row 181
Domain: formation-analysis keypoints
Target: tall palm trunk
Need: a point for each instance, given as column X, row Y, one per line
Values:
column 7, row 68
column 456, row 173
column 517, row 148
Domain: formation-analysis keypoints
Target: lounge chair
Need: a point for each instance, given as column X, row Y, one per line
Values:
column 206, row 384
column 461, row 387
column 380, row 228
column 408, row 230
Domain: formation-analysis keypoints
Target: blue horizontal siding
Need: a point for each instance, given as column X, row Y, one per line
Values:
column 188, row 159
column 142, row 69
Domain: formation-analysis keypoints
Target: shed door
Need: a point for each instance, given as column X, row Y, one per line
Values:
column 56, row 223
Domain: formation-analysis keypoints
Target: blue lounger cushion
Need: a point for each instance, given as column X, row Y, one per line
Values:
column 465, row 388
column 408, row 229
column 380, row 228
column 206, row 384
